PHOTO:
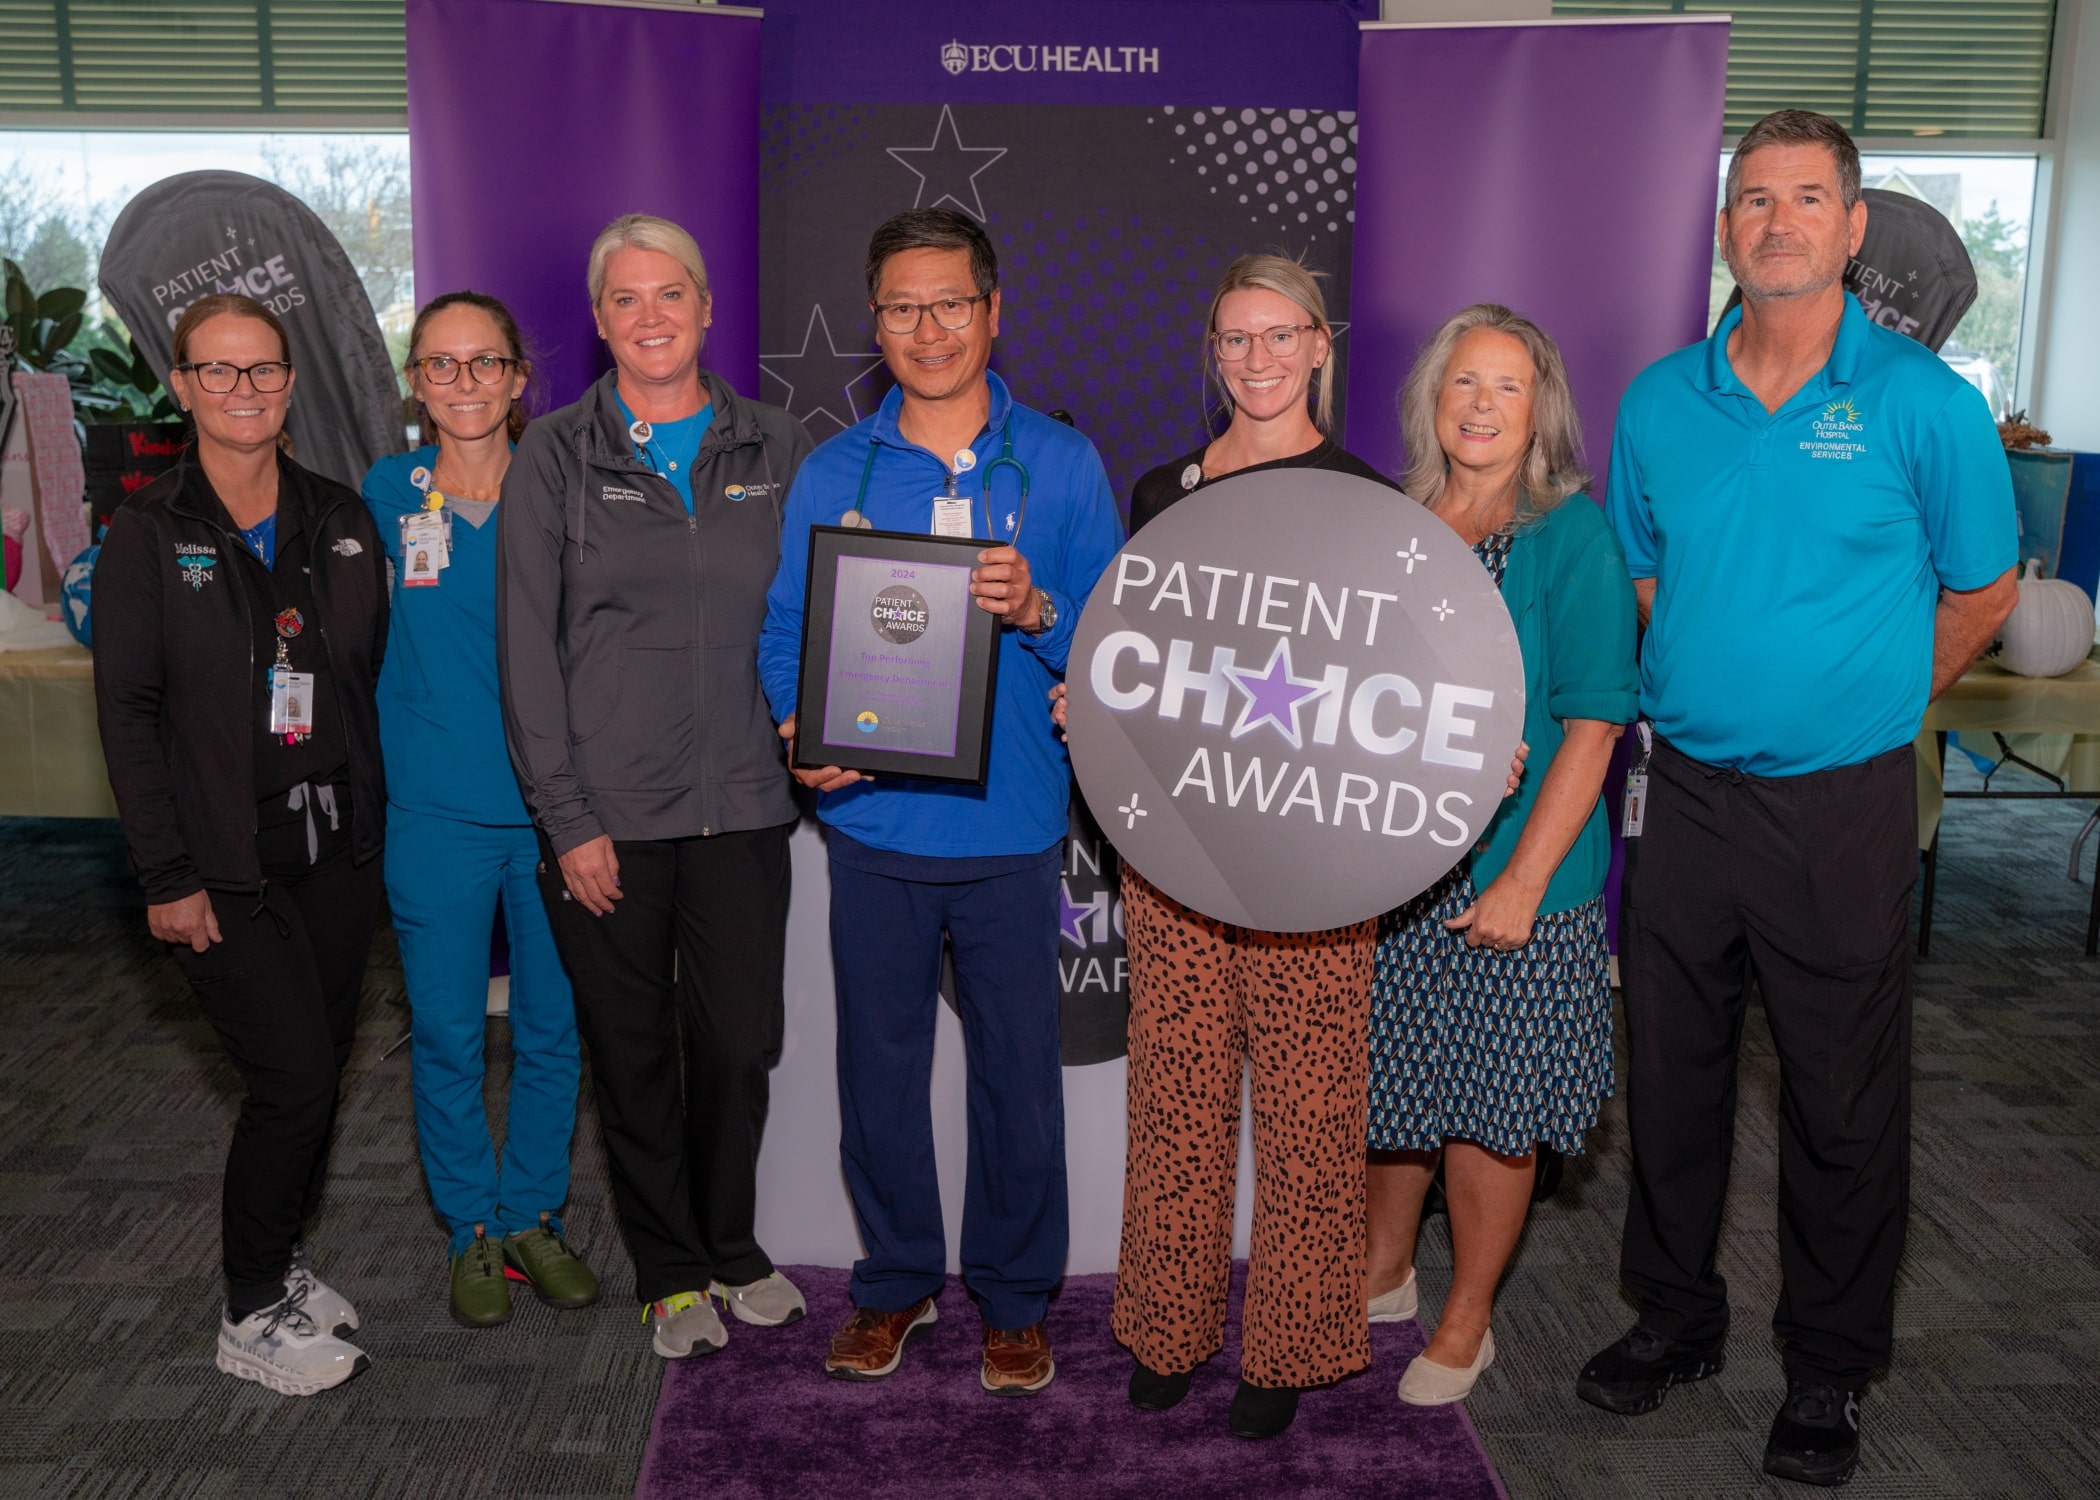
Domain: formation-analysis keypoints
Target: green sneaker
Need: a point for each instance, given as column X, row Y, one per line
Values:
column 480, row 1294
column 542, row 1259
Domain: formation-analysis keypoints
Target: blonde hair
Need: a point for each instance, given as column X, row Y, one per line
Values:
column 1285, row 277
column 644, row 232
column 1552, row 468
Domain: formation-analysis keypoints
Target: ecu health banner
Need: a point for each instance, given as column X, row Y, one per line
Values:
column 532, row 124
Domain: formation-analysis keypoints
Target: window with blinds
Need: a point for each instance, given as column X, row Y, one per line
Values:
column 1880, row 67
column 340, row 57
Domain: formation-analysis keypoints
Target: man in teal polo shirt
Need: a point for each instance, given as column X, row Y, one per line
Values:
column 1818, row 519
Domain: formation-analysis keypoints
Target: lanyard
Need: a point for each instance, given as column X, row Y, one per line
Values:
column 857, row 515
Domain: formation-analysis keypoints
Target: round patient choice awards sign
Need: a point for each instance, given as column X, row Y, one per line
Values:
column 1293, row 700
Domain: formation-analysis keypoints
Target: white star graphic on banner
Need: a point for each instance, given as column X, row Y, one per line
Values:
column 814, row 385
column 945, row 172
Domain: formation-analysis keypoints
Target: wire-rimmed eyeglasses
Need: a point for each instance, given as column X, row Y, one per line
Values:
column 1234, row 344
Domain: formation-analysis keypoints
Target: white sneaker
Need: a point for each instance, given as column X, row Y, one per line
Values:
column 283, row 1348
column 1398, row 1305
column 769, row 1302
column 685, row 1325
column 329, row 1308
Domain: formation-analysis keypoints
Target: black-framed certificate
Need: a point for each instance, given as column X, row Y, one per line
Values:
column 898, row 662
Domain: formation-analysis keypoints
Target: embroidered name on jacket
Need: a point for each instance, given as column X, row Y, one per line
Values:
column 615, row 492
column 196, row 560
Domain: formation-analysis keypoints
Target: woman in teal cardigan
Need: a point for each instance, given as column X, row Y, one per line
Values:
column 1491, row 1010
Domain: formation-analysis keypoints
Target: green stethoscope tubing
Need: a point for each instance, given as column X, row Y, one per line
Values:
column 1005, row 460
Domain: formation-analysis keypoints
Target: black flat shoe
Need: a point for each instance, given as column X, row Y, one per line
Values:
column 1152, row 1391
column 1633, row 1375
column 1815, row 1437
column 1260, row 1412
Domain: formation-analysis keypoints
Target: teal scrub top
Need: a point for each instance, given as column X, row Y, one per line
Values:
column 1572, row 603
column 1799, row 554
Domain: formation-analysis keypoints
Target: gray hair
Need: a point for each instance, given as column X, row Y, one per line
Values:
column 1286, row 278
column 1552, row 468
column 644, row 232
column 1798, row 127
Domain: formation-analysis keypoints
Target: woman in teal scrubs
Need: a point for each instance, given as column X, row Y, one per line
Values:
column 459, row 841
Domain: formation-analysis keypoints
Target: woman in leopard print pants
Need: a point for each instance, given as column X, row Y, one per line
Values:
column 1206, row 997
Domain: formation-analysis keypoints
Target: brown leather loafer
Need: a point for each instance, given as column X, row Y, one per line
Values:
column 1017, row 1361
column 871, row 1345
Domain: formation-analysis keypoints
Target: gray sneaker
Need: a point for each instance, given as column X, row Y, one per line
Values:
column 329, row 1308
column 283, row 1348
column 686, row 1324
column 769, row 1302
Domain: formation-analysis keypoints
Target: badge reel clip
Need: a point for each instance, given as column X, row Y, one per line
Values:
column 1637, row 783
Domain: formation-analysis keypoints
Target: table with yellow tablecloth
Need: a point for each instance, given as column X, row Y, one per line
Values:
column 2051, row 722
column 50, row 755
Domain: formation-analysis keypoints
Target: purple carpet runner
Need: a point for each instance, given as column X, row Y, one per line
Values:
column 760, row 1419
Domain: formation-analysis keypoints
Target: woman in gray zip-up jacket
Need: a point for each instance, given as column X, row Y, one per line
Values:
column 639, row 530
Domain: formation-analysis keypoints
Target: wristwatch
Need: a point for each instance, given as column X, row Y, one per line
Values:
column 1046, row 613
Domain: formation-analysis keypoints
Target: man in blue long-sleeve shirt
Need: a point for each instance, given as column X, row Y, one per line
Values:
column 912, row 860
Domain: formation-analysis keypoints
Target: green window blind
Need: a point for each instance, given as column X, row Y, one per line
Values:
column 1880, row 67
column 342, row 57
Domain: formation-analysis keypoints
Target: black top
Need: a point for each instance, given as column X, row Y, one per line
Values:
column 284, row 610
column 1161, row 487
column 179, row 668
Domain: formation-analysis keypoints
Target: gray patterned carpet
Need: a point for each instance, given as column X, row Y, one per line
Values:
column 114, row 1104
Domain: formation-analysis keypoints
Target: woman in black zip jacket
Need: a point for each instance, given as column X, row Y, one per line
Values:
column 240, row 618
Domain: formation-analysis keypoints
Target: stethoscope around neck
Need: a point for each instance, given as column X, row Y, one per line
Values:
column 1005, row 460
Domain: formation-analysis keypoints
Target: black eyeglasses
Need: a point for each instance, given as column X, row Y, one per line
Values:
column 1234, row 345
column 951, row 313
column 443, row 369
column 265, row 379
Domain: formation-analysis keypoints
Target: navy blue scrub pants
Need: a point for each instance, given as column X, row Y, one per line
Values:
column 886, row 953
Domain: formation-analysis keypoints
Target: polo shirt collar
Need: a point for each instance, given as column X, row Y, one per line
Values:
column 1842, row 368
column 995, row 420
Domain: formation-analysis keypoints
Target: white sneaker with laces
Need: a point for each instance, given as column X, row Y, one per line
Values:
column 769, row 1302
column 324, row 1304
column 282, row 1347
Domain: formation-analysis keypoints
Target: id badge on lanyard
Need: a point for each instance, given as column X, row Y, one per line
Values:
column 951, row 515
column 426, row 547
column 291, row 703
column 1637, row 783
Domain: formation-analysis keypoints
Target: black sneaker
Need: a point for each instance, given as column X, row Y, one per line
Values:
column 1262, row 1411
column 1815, row 1437
column 1152, row 1391
column 1632, row 1376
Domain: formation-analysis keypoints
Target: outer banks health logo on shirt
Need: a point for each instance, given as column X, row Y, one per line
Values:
column 1294, row 699
column 1839, row 428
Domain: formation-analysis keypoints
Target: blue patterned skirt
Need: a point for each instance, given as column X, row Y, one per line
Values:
column 1505, row 1049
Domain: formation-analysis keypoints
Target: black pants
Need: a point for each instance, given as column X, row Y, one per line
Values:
column 684, row 1158
column 1803, row 884
column 281, row 990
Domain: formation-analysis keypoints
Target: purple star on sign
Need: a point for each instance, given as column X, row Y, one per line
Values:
column 1273, row 695
column 1071, row 920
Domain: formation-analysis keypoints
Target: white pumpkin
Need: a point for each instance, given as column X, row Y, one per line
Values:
column 2050, row 630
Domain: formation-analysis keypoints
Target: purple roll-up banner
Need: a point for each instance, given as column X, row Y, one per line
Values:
column 1565, row 169
column 534, row 123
